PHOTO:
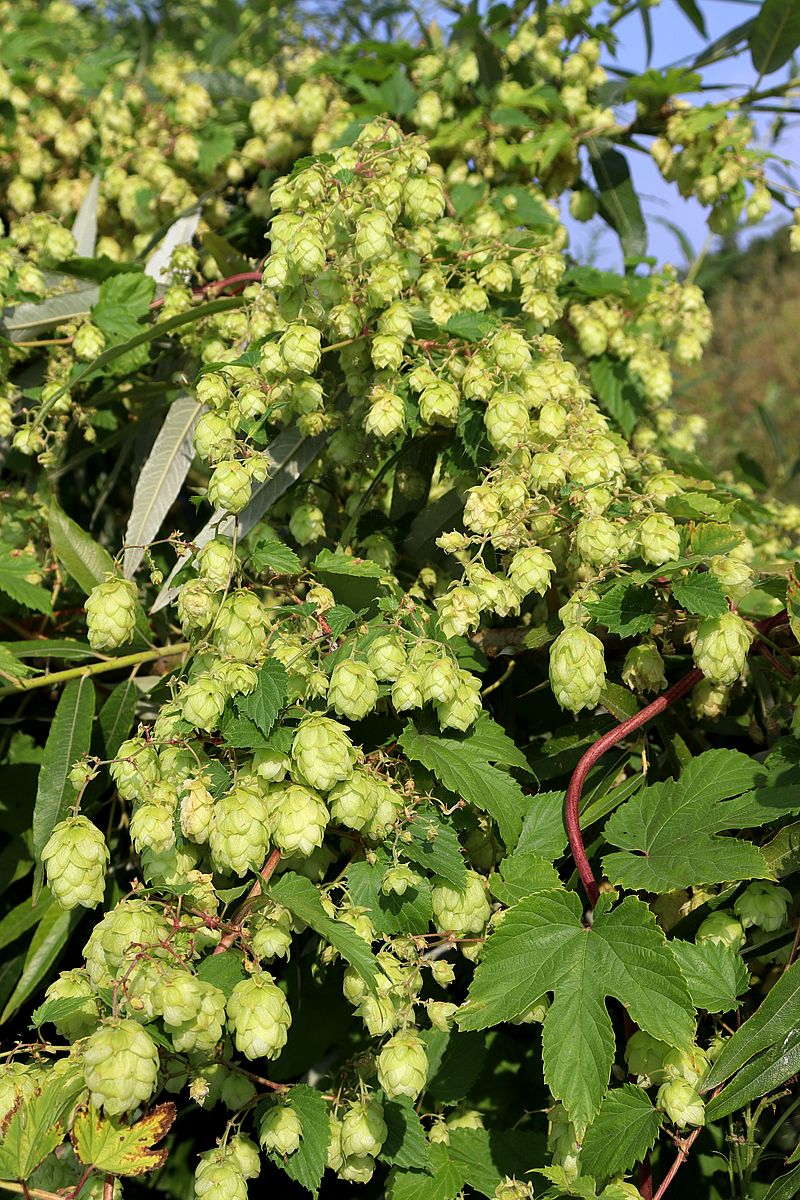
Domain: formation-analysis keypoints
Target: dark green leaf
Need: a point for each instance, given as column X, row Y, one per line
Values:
column 625, row 609
column 406, row 1144
column 616, row 391
column 435, row 846
column 407, row 914
column 299, row 895
column 267, row 698
column 625, row 1128
column 775, row 35
column 700, row 593
column 471, row 326
column 619, row 203
column 307, row 1165
column 117, row 714
column 714, row 974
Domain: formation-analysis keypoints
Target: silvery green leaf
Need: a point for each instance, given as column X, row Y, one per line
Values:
column 179, row 233
column 84, row 227
column 27, row 321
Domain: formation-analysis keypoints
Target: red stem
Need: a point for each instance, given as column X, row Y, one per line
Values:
column 683, row 1154
column 218, row 285
column 108, row 1188
column 244, row 908
column 615, row 735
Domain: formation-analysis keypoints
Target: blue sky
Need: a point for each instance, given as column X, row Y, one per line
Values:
column 676, row 41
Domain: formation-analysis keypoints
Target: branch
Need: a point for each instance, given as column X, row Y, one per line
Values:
column 112, row 664
column 246, row 905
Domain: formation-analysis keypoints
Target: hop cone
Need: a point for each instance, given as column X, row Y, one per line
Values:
column 577, row 669
column 75, row 858
column 120, row 1066
column 721, row 646
column 259, row 1017
column 111, row 614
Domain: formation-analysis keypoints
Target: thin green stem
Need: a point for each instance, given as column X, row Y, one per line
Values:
column 112, row 664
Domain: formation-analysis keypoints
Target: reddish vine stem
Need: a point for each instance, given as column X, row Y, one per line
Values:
column 244, row 908
column 108, row 1188
column 683, row 1154
column 218, row 285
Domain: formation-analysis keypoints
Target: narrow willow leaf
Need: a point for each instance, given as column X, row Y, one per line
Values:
column 116, row 715
column 69, row 737
column 28, row 321
column 290, row 454
column 762, row 1075
column 84, row 227
column 79, row 554
column 775, row 1020
column 47, row 944
column 161, row 479
column 22, row 918
column 179, row 234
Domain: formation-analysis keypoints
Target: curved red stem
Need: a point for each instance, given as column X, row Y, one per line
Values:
column 615, row 735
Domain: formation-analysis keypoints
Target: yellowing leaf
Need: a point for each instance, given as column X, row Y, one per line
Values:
column 117, row 1149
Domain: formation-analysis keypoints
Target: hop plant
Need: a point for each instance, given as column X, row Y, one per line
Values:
column 659, row 539
column 111, row 614
column 363, row 1129
column 530, row 570
column 219, row 1179
column 193, row 1011
column 643, row 669
column 280, row 1130
column 403, row 1065
column 721, row 646
column 240, row 830
column 764, row 905
column 230, row 487
column 259, row 1017
column 322, row 753
column 458, row 911
column 75, row 858
column 202, row 702
column 353, row 690
column 681, row 1103
column 297, row 819
column 577, row 669
column 721, row 928
column 240, row 630
column 120, row 1066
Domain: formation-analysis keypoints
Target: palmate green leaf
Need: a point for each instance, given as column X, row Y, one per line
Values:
column 715, row 974
column 444, row 1180
column 624, row 1129
column 14, row 566
column 110, row 1146
column 625, row 609
column 521, row 874
column 770, row 1025
column 471, row 326
column 700, row 593
column 762, row 1075
column 775, row 35
column 34, row 1127
column 490, row 740
column 406, row 1144
column 434, row 845
column 123, row 301
column 407, row 914
column 490, row 1155
column 299, row 895
column 223, row 970
column 160, row 479
column 271, row 554
column 69, row 738
column 267, row 698
column 307, row 1165
column 542, row 946
column 667, row 833
column 466, row 773
column 543, row 830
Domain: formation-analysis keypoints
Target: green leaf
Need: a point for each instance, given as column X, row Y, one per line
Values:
column 765, row 1073
column 274, row 555
column 14, row 566
column 241, row 733
column 84, row 227
column 616, row 391
column 700, row 593
column 68, row 739
column 22, row 918
column 340, row 618
column 307, row 1165
column 11, row 669
column 785, row 1187
column 621, row 1134
column 435, row 846
column 396, row 95
column 79, row 554
column 267, row 698
column 455, row 1060
column 117, row 715
column 406, row 1144
column 522, row 874
column 47, row 944
column 710, row 537
column 122, row 302
column 542, row 946
column 110, row 1146
column 775, row 35
column 489, row 1155
column 782, row 854
column 543, row 831
column 466, row 773
column 619, row 203
column 471, row 326
column 625, row 609
column 160, row 479
column 66, row 648
column 299, row 895
column 445, row 1181
column 490, row 740
column 775, row 1020
column 668, row 833
column 223, row 970
column 28, row 321
column 714, row 974
column 407, row 914
column 34, row 1127
column 216, row 144
column 793, row 599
